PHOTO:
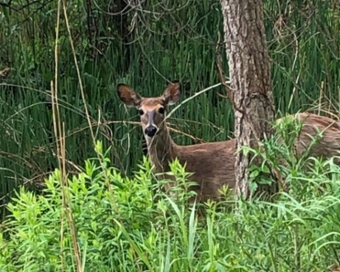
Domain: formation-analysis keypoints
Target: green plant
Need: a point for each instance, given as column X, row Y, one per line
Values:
column 164, row 45
column 124, row 229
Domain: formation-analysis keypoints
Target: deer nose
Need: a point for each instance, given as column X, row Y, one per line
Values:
column 150, row 131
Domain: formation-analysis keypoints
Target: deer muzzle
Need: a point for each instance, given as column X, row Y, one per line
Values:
column 150, row 131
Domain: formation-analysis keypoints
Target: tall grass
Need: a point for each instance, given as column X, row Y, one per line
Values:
column 297, row 232
column 168, row 40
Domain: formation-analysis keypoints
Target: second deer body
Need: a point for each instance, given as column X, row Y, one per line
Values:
column 213, row 164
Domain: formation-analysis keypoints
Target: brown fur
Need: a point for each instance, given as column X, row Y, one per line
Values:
column 313, row 124
column 212, row 164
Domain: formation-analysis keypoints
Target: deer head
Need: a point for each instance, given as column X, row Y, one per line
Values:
column 152, row 110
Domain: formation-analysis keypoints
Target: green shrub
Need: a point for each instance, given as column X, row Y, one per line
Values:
column 121, row 227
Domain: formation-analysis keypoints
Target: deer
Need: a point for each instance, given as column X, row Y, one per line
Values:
column 212, row 164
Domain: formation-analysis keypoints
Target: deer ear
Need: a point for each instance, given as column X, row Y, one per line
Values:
column 172, row 93
column 128, row 95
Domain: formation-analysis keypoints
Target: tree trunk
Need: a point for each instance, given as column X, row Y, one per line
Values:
column 251, row 87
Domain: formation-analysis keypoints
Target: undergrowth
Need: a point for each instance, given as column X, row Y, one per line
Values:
column 122, row 225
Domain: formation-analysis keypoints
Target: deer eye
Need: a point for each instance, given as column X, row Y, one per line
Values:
column 141, row 112
column 161, row 110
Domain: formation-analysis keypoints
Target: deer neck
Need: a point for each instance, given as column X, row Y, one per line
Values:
column 161, row 150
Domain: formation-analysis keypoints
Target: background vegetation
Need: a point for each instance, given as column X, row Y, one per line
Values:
column 145, row 45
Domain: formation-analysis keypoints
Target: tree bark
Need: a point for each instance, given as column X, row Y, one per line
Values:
column 251, row 87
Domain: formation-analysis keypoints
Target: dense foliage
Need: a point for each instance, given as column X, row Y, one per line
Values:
column 142, row 45
column 120, row 226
